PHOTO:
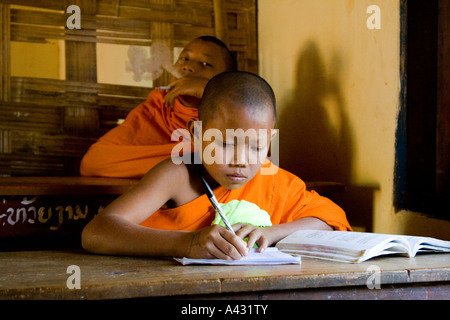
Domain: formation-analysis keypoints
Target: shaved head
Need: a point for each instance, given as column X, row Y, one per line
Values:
column 240, row 88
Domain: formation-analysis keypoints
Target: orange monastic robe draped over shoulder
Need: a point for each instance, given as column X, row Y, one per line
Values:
column 282, row 195
column 140, row 142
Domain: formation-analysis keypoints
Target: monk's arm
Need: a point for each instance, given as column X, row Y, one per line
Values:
column 117, row 230
column 122, row 161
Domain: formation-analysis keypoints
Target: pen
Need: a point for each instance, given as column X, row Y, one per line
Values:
column 216, row 205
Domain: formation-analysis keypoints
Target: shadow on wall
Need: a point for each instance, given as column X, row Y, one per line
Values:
column 316, row 141
column 315, row 135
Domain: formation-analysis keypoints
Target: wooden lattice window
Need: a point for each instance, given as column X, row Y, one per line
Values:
column 47, row 122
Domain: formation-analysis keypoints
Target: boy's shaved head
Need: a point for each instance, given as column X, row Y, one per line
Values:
column 243, row 88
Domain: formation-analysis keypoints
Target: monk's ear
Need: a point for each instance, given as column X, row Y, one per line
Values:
column 273, row 133
column 191, row 124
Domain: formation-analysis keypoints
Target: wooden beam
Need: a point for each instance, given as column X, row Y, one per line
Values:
column 81, row 66
column 220, row 21
column 5, row 69
column 162, row 32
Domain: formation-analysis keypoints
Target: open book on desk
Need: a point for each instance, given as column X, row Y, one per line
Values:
column 269, row 257
column 355, row 247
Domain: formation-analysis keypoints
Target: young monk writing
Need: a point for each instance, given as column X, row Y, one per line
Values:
column 168, row 212
column 144, row 139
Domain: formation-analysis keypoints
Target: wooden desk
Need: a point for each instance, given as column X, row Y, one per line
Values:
column 43, row 275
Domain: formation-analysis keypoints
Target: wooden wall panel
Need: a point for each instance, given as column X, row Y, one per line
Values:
column 47, row 125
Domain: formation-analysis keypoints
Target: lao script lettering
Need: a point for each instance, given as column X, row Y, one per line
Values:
column 31, row 212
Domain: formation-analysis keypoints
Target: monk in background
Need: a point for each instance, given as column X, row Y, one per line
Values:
column 145, row 137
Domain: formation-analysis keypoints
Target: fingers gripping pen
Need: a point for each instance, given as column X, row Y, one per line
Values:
column 216, row 206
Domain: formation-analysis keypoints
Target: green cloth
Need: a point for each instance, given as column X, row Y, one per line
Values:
column 243, row 212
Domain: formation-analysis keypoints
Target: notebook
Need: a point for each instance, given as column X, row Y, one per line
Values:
column 271, row 256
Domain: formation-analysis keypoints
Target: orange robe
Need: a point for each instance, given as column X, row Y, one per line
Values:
column 282, row 195
column 140, row 142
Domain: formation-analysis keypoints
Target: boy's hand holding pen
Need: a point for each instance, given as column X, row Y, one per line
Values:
column 216, row 206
